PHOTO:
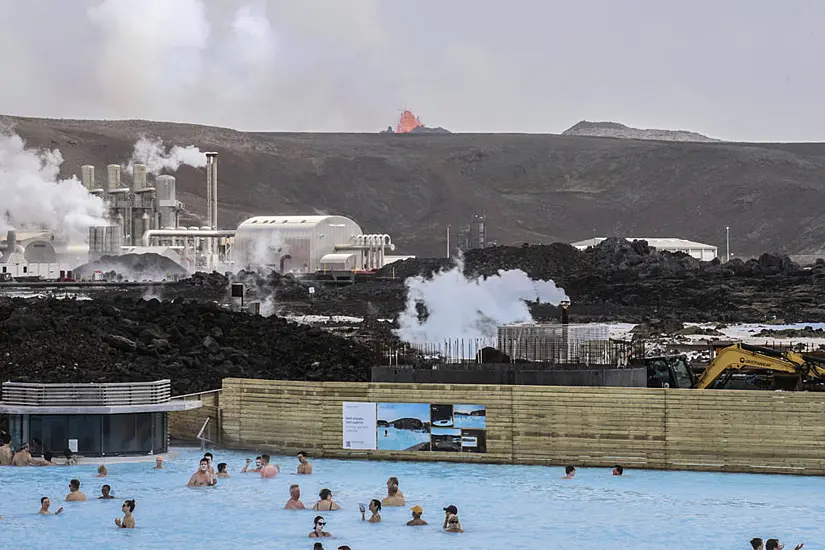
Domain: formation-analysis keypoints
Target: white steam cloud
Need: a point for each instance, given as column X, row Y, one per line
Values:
column 459, row 307
column 157, row 158
column 33, row 196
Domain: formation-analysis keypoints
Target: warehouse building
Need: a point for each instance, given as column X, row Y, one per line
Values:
column 700, row 251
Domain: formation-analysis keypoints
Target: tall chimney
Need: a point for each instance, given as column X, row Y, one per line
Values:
column 212, row 190
column 113, row 173
column 87, row 176
column 139, row 177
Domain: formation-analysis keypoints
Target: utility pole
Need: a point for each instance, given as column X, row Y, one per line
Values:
column 727, row 244
column 448, row 240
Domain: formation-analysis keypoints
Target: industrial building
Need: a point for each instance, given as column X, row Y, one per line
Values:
column 143, row 216
column 700, row 251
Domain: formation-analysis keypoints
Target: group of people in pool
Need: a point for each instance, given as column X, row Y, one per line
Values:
column 771, row 544
column 76, row 495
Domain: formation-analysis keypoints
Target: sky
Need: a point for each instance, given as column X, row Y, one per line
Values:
column 744, row 70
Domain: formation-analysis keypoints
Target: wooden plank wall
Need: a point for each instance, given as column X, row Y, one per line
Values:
column 714, row 430
column 185, row 425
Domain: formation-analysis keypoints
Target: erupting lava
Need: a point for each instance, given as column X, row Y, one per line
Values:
column 407, row 123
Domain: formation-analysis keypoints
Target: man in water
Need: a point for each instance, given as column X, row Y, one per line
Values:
column 416, row 514
column 44, row 507
column 22, row 457
column 159, row 463
column 294, row 502
column 5, row 451
column 75, row 494
column 394, row 499
column 209, row 457
column 304, row 466
column 202, row 478
column 773, row 544
column 102, row 471
column 257, row 467
column 267, row 469
column 222, row 470
column 569, row 472
column 104, row 493
column 618, row 470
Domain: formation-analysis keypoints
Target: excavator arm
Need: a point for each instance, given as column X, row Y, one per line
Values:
column 747, row 357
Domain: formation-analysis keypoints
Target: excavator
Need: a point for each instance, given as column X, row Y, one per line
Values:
column 808, row 370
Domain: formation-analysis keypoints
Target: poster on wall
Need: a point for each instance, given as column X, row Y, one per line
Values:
column 403, row 427
column 359, row 425
column 459, row 428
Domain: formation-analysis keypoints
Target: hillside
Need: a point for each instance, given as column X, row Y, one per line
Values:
column 616, row 130
column 533, row 188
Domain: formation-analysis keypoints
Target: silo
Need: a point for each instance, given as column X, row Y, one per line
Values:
column 87, row 176
column 139, row 177
column 113, row 177
column 167, row 201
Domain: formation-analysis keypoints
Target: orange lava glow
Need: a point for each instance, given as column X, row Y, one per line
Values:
column 407, row 123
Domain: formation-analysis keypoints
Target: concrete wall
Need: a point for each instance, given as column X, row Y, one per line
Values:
column 185, row 425
column 715, row 430
column 514, row 374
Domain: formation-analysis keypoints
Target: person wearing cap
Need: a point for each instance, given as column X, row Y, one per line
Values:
column 416, row 514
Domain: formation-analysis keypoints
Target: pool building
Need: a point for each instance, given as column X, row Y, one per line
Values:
column 92, row 420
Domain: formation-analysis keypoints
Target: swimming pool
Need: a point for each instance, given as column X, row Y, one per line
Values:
column 501, row 507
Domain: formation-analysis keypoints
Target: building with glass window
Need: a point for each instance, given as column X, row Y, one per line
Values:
column 92, row 420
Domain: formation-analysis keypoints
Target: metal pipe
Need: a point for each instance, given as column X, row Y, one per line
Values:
column 147, row 237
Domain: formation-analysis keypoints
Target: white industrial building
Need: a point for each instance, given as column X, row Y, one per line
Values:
column 700, row 251
column 305, row 244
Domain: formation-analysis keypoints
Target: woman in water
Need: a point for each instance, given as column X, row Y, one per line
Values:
column 453, row 525
column 325, row 504
column 318, row 531
column 128, row 521
column 375, row 508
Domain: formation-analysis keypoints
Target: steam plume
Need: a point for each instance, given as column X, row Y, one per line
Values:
column 459, row 307
column 154, row 155
column 33, row 196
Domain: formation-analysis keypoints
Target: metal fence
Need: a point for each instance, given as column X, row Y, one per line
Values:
column 88, row 395
column 548, row 351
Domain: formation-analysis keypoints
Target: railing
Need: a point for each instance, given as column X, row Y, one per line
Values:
column 204, row 440
column 89, row 395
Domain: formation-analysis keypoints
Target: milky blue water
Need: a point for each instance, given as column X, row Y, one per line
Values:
column 391, row 439
column 501, row 508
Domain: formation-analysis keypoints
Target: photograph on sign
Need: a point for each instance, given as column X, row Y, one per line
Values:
column 472, row 417
column 446, row 439
column 403, row 427
column 473, row 441
column 442, row 415
column 359, row 420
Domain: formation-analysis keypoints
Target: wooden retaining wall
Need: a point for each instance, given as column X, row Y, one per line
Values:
column 714, row 430
column 185, row 425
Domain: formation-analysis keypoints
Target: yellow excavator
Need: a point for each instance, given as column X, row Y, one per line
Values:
column 746, row 358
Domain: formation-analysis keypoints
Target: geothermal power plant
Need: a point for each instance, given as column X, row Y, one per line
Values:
column 143, row 217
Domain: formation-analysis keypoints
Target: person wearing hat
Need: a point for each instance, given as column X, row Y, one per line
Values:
column 416, row 514
column 451, row 522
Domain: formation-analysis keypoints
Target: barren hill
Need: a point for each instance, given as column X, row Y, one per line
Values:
column 533, row 188
column 616, row 130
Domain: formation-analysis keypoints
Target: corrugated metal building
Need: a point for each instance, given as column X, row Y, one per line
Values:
column 294, row 243
column 700, row 251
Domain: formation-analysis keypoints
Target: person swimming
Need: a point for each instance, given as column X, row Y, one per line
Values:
column 222, row 470
column 104, row 492
column 318, row 530
column 294, row 502
column 257, row 468
column 375, row 509
column 569, row 472
column 268, row 470
column 618, row 470
column 102, row 471
column 202, row 478
column 304, row 465
column 159, row 463
column 45, row 502
column 128, row 521
column 75, row 494
column 209, row 458
column 417, row 511
column 325, row 502
column 394, row 498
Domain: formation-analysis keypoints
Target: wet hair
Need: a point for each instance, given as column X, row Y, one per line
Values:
column 324, row 494
column 210, row 455
column 392, row 481
column 618, row 468
column 222, row 467
column 43, row 499
column 107, row 486
column 344, row 547
column 48, row 456
column 75, row 484
column 772, row 544
column 317, row 546
column 392, row 489
column 317, row 519
column 302, row 453
column 377, row 504
column 568, row 469
column 204, row 459
column 130, row 504
column 293, row 486
column 756, row 543
column 257, row 458
column 101, row 469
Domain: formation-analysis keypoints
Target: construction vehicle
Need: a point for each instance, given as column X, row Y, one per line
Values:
column 807, row 371
column 669, row 371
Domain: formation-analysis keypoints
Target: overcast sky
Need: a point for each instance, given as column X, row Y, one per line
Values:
column 749, row 70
